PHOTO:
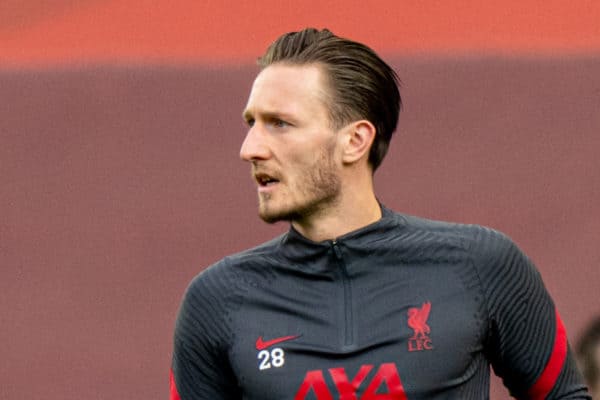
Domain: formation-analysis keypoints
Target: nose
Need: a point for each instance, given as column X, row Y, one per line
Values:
column 254, row 146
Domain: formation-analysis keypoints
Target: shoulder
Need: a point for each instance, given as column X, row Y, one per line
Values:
column 236, row 272
column 500, row 264
column 490, row 253
column 480, row 242
column 447, row 228
column 220, row 290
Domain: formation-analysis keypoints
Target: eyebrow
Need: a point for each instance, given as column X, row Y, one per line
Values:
column 248, row 115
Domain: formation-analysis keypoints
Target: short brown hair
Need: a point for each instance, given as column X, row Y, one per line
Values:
column 363, row 86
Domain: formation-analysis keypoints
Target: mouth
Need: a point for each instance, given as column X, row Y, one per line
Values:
column 265, row 180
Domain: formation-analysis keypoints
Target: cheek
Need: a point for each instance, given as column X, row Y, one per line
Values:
column 302, row 157
column 301, row 162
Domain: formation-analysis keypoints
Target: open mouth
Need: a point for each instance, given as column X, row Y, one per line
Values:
column 265, row 180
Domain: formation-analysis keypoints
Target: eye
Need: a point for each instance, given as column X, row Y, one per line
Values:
column 280, row 123
column 250, row 122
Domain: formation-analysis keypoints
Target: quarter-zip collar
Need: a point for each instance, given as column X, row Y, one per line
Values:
column 300, row 249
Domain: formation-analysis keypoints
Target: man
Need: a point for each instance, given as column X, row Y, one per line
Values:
column 357, row 301
column 588, row 355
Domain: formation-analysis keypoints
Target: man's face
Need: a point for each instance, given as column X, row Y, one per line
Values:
column 291, row 144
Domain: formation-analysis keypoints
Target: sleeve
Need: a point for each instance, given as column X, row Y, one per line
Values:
column 527, row 343
column 200, row 368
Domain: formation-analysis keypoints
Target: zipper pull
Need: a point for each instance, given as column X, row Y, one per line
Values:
column 336, row 250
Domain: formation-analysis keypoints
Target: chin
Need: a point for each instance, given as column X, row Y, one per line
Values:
column 271, row 215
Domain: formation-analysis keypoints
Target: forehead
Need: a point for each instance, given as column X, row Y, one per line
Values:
column 290, row 89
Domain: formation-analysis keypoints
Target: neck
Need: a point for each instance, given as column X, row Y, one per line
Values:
column 353, row 210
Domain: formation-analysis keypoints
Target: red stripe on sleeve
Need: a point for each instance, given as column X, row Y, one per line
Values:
column 174, row 393
column 547, row 379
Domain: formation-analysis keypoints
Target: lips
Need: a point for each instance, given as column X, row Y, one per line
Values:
column 264, row 179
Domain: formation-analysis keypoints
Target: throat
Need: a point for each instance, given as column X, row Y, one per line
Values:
column 333, row 222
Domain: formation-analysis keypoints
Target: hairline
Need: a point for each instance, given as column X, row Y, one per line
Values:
column 327, row 95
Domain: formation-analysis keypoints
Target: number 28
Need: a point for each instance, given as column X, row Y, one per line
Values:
column 274, row 358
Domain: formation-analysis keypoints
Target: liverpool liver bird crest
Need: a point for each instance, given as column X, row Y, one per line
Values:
column 417, row 320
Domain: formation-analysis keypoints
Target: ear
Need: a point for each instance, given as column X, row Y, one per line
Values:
column 358, row 139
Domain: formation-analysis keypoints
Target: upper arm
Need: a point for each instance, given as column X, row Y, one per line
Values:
column 527, row 345
column 200, row 364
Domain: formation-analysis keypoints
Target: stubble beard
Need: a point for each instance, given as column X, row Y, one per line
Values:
column 319, row 190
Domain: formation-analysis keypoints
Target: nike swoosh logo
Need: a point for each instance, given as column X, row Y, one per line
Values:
column 263, row 344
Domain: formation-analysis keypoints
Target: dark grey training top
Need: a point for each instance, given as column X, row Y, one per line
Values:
column 404, row 308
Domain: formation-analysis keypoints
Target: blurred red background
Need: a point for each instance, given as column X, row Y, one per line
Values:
column 119, row 133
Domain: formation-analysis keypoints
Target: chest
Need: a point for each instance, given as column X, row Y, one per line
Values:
column 359, row 332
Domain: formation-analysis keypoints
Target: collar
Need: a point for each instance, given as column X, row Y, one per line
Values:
column 298, row 248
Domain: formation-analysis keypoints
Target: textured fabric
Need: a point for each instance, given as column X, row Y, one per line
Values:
column 405, row 308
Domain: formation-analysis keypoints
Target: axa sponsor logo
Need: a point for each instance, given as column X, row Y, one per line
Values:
column 385, row 384
column 417, row 321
